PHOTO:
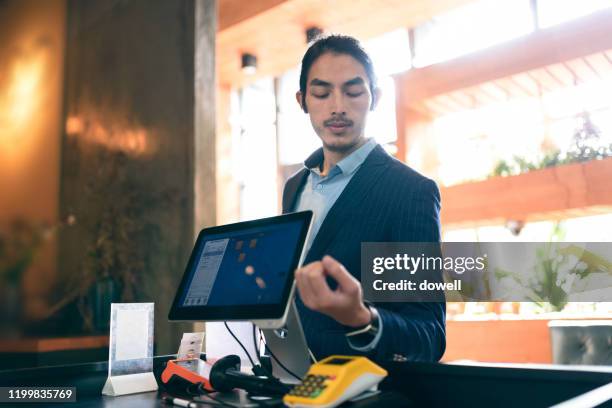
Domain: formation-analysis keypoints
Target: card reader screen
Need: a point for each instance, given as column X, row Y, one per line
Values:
column 338, row 361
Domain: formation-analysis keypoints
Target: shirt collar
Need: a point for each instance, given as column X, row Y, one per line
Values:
column 347, row 165
column 350, row 163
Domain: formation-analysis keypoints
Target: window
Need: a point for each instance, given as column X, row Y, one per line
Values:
column 552, row 12
column 470, row 28
column 255, row 163
column 390, row 52
column 296, row 137
column 468, row 144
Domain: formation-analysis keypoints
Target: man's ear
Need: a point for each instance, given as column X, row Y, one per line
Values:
column 375, row 98
column 298, row 98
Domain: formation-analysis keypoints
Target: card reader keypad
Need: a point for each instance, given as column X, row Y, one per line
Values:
column 312, row 386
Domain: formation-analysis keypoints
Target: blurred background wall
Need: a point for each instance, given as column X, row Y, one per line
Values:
column 31, row 128
column 102, row 140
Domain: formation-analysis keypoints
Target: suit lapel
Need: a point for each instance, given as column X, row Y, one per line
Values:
column 353, row 195
column 294, row 184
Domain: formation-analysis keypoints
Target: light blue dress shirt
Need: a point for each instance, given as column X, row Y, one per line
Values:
column 320, row 193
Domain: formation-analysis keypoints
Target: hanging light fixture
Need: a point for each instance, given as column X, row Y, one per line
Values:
column 312, row 33
column 249, row 63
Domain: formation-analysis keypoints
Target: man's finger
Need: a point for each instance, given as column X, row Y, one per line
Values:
column 301, row 273
column 337, row 271
column 303, row 289
column 312, row 265
column 318, row 284
column 303, row 284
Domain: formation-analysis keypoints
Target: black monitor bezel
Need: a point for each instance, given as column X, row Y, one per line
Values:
column 241, row 312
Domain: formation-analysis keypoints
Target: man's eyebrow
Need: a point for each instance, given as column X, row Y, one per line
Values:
column 318, row 82
column 350, row 82
column 354, row 81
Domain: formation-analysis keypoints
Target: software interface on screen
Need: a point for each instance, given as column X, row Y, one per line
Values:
column 247, row 267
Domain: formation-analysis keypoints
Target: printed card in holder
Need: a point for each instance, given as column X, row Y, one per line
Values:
column 130, row 360
column 191, row 346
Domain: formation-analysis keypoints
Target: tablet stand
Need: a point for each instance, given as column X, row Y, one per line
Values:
column 289, row 345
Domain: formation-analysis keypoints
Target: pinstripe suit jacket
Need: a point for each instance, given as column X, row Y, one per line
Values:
column 385, row 201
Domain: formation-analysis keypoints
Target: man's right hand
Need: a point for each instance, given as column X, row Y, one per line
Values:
column 345, row 304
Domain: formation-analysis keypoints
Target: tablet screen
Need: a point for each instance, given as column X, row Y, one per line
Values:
column 241, row 268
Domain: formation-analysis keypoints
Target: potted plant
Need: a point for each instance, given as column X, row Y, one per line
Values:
column 586, row 145
column 560, row 269
column 112, row 218
column 20, row 242
column 521, row 191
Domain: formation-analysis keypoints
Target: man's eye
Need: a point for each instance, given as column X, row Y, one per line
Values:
column 321, row 96
column 354, row 94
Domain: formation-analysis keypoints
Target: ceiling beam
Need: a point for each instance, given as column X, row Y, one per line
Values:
column 579, row 38
column 232, row 12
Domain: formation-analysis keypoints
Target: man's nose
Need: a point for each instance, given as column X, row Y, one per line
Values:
column 337, row 104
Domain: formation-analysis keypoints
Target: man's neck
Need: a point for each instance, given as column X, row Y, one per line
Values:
column 331, row 158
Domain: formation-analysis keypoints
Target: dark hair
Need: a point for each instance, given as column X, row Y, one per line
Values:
column 336, row 44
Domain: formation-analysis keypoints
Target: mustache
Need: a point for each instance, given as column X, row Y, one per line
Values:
column 338, row 121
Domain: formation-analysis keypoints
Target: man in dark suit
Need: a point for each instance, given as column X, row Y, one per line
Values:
column 358, row 193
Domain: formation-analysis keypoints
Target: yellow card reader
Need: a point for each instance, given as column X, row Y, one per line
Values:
column 334, row 380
